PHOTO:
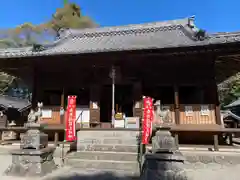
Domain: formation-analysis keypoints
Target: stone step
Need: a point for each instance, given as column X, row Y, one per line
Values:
column 107, row 147
column 68, row 172
column 108, row 133
column 116, row 173
column 103, row 164
column 107, row 140
column 101, row 155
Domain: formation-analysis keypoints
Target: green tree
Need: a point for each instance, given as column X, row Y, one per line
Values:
column 27, row 34
column 229, row 90
column 69, row 17
column 5, row 82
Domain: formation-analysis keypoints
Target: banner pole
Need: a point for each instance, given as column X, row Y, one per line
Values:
column 113, row 74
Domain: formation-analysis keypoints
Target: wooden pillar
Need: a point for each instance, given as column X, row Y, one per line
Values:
column 62, row 108
column 216, row 142
column 176, row 104
column 217, row 110
column 94, row 105
column 137, row 96
column 218, row 114
column 35, row 88
column 62, row 99
column 215, row 91
column 217, row 105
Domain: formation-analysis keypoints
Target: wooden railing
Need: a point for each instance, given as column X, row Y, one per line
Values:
column 197, row 116
column 55, row 118
column 192, row 114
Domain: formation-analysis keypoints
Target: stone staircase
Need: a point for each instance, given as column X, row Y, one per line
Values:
column 106, row 151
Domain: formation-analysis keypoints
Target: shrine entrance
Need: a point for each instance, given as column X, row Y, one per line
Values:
column 106, row 104
column 123, row 102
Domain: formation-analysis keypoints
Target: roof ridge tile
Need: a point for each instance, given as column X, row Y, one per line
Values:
column 130, row 26
column 127, row 31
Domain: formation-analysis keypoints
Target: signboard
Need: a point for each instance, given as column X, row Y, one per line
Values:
column 71, row 119
column 188, row 111
column 132, row 122
column 147, row 119
column 46, row 113
column 204, row 110
column 119, row 123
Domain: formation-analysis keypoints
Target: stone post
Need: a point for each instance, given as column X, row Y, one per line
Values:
column 164, row 162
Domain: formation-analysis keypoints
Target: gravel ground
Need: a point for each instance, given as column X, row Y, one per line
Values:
column 211, row 171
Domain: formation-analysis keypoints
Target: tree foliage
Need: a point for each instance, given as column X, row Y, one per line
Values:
column 5, row 81
column 229, row 90
column 27, row 34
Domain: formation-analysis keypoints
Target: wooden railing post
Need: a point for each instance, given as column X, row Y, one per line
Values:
column 1, row 136
column 56, row 138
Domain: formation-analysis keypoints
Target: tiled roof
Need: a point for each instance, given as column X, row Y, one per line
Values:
column 234, row 104
column 231, row 114
column 159, row 35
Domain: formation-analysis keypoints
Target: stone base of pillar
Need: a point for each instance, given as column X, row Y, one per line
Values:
column 165, row 161
column 28, row 162
column 34, row 158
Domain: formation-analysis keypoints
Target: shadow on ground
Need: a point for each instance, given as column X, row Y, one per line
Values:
column 95, row 176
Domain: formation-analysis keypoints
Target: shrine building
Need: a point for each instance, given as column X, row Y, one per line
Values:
column 171, row 61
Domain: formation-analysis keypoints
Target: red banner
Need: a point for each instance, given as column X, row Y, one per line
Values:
column 71, row 119
column 147, row 119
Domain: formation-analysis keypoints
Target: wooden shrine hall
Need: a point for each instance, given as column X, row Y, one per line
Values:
column 173, row 62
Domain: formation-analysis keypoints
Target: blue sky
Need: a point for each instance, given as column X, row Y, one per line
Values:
column 211, row 15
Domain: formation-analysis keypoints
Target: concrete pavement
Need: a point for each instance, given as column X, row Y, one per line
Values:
column 212, row 170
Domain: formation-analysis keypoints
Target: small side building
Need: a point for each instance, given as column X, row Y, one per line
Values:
column 13, row 109
column 231, row 116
